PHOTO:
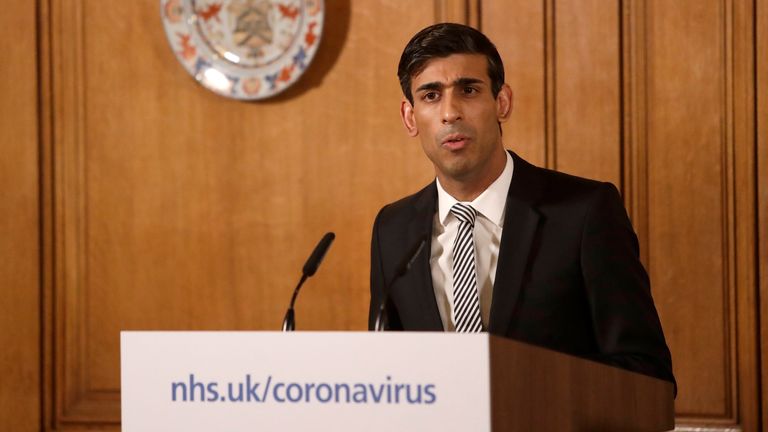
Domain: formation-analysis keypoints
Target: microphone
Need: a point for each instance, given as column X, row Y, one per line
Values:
column 309, row 269
column 403, row 267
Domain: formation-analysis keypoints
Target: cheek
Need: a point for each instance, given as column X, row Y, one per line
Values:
column 426, row 129
column 430, row 150
column 427, row 141
column 422, row 116
column 490, row 125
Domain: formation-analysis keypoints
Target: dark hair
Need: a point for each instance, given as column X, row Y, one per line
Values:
column 442, row 40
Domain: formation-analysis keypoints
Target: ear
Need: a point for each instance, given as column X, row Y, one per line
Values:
column 406, row 114
column 504, row 103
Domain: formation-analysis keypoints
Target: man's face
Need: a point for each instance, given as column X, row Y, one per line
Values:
column 456, row 116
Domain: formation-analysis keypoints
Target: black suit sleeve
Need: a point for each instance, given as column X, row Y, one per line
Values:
column 627, row 327
column 377, row 276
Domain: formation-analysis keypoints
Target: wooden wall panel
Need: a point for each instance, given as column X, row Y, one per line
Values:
column 587, row 86
column 179, row 209
column 519, row 37
column 20, row 380
column 688, row 153
column 698, row 148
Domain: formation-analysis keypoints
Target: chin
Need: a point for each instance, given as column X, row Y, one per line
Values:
column 457, row 172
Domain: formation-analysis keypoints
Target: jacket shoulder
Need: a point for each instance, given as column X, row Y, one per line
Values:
column 406, row 208
column 560, row 181
column 543, row 187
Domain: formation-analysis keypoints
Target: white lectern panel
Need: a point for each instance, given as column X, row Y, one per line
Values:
column 300, row 381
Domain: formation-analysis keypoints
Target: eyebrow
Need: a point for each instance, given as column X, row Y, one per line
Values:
column 436, row 85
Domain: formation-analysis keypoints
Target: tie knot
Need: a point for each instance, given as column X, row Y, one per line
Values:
column 464, row 213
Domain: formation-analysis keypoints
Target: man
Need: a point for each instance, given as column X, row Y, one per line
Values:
column 519, row 251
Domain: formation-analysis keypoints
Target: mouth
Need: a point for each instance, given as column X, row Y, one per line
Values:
column 455, row 141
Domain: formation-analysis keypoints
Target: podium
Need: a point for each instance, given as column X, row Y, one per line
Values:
column 360, row 381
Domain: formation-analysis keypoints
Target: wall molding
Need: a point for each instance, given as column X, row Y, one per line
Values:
column 74, row 403
column 634, row 182
column 550, row 85
column 761, row 178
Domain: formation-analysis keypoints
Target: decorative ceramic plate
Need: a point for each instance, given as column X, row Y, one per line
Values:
column 244, row 49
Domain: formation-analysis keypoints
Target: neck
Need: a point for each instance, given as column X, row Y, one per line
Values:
column 467, row 189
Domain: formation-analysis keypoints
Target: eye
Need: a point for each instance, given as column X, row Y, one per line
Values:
column 430, row 96
column 469, row 90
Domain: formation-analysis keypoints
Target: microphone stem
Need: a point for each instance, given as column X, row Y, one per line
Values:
column 289, row 323
column 296, row 290
column 381, row 317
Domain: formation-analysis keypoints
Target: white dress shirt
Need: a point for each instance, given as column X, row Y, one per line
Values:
column 490, row 206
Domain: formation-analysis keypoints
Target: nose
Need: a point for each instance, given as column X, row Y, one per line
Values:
column 451, row 108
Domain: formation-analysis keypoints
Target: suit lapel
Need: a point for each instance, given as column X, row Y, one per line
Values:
column 420, row 275
column 521, row 220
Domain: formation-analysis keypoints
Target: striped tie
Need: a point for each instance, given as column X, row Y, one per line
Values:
column 466, row 304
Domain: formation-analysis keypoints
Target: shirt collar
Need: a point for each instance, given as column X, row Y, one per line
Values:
column 491, row 203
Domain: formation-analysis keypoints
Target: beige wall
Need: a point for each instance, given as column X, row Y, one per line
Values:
column 165, row 206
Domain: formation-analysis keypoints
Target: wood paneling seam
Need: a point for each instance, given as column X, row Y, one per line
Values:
column 550, row 89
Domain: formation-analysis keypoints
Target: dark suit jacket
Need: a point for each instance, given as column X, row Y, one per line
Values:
column 568, row 277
